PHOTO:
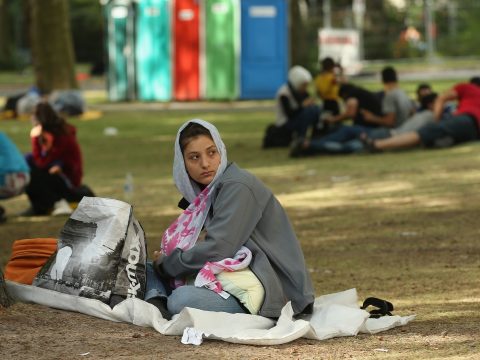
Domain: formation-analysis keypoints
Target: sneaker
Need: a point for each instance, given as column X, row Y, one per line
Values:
column 61, row 207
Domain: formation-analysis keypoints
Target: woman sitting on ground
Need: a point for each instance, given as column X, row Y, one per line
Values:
column 247, row 258
column 295, row 108
column 55, row 164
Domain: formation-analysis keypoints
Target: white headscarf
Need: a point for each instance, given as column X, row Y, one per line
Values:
column 188, row 187
column 298, row 75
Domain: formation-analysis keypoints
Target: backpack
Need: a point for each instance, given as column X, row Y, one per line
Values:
column 101, row 252
column 277, row 136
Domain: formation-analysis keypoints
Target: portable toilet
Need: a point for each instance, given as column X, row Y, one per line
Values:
column 120, row 19
column 221, row 42
column 186, row 50
column 152, row 50
column 264, row 49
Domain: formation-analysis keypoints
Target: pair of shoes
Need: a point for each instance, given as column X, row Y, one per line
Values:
column 61, row 207
column 161, row 304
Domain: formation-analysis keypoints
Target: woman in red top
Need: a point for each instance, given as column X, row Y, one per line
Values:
column 55, row 162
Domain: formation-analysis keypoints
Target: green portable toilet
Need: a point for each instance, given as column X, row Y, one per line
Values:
column 120, row 48
column 153, row 55
column 221, row 41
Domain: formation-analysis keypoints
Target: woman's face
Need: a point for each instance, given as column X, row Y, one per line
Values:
column 201, row 159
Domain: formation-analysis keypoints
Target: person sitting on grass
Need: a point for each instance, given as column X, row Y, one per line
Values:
column 247, row 258
column 327, row 85
column 461, row 126
column 413, row 123
column 56, row 167
column 396, row 105
column 344, row 139
column 295, row 108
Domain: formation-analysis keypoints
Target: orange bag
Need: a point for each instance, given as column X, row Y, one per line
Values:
column 28, row 257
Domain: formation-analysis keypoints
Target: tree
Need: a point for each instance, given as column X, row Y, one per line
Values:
column 5, row 299
column 51, row 44
column 6, row 38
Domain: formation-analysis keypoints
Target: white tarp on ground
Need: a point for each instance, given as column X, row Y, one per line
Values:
column 334, row 315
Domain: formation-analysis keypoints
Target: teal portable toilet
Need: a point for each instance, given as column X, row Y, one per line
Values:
column 120, row 19
column 221, row 42
column 152, row 50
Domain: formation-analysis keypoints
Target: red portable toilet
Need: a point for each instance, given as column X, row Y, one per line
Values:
column 186, row 50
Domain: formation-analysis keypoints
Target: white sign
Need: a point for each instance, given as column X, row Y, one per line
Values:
column 343, row 46
column 119, row 12
column 262, row 11
column 220, row 8
column 186, row 14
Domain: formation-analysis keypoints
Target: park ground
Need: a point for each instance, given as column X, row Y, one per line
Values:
column 400, row 226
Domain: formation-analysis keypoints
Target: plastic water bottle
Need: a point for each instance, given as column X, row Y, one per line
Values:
column 128, row 187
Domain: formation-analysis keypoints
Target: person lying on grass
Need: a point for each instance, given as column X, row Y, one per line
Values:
column 233, row 249
column 448, row 130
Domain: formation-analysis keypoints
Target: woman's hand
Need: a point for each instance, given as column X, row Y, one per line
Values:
column 157, row 255
column 55, row 170
column 36, row 131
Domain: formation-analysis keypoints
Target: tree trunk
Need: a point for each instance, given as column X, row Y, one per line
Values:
column 5, row 299
column 299, row 45
column 51, row 42
column 6, row 37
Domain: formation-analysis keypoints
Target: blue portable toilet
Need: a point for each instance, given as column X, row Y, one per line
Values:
column 264, row 48
column 120, row 21
column 152, row 50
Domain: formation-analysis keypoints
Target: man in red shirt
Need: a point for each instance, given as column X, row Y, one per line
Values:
column 449, row 130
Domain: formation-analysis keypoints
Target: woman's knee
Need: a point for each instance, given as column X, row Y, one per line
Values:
column 180, row 298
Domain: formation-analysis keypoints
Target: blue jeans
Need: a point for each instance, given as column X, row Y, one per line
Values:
column 344, row 140
column 308, row 117
column 189, row 296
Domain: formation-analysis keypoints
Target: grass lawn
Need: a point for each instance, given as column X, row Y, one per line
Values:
column 400, row 226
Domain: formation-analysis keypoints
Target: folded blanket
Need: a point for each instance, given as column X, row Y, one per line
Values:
column 28, row 257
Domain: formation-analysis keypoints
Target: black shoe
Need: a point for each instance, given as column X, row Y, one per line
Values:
column 161, row 304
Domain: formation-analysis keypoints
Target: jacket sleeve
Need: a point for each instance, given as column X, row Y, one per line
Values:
column 236, row 213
